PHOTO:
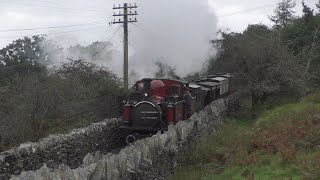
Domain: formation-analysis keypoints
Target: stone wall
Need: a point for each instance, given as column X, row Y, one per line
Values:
column 150, row 158
column 68, row 149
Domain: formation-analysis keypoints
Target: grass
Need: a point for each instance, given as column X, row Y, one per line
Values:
column 283, row 143
column 270, row 169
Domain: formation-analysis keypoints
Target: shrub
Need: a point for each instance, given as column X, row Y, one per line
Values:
column 74, row 96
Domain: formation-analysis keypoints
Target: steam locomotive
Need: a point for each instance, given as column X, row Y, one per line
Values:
column 157, row 103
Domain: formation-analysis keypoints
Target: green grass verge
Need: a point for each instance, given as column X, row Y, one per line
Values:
column 283, row 143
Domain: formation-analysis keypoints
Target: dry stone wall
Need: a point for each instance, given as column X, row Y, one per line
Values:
column 150, row 158
column 68, row 149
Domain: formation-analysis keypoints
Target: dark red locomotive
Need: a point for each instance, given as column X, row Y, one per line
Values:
column 155, row 104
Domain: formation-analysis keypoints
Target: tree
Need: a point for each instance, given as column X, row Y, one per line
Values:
column 258, row 59
column 284, row 14
column 318, row 7
column 302, row 38
column 307, row 12
column 96, row 52
column 27, row 55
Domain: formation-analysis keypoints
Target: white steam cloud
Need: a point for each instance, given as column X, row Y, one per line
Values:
column 176, row 33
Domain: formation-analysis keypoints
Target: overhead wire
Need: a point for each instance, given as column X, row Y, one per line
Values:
column 130, row 41
column 50, row 27
column 108, row 42
column 247, row 10
column 64, row 3
column 52, row 33
column 52, row 13
column 62, row 8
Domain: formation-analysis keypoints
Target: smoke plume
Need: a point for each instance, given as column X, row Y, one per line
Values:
column 177, row 32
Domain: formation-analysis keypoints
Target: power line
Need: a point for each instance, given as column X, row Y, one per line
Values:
column 63, row 8
column 108, row 42
column 130, row 42
column 62, row 3
column 138, row 26
column 49, row 2
column 50, row 27
column 53, row 33
column 130, row 32
column 55, row 12
column 247, row 10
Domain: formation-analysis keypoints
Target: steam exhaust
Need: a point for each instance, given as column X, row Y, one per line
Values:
column 130, row 139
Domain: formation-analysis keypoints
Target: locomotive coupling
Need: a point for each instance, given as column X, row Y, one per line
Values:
column 130, row 139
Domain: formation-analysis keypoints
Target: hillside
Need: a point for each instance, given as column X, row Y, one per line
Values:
column 282, row 143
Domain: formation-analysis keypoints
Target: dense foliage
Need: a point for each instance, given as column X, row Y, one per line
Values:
column 37, row 99
column 268, row 61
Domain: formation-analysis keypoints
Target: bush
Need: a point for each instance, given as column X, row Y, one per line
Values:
column 74, row 96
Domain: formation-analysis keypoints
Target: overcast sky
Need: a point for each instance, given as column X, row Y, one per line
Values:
column 177, row 29
column 15, row 14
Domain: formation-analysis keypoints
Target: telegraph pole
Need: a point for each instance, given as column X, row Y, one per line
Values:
column 125, row 14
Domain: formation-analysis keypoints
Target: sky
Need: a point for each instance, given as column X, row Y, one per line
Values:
column 176, row 32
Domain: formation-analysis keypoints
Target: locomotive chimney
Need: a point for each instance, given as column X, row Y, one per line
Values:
column 147, row 86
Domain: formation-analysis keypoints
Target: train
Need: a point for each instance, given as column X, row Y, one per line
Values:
column 155, row 104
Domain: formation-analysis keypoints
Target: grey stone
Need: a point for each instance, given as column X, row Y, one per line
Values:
column 99, row 172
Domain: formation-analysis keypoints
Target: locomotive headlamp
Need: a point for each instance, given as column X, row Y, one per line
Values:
column 145, row 94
